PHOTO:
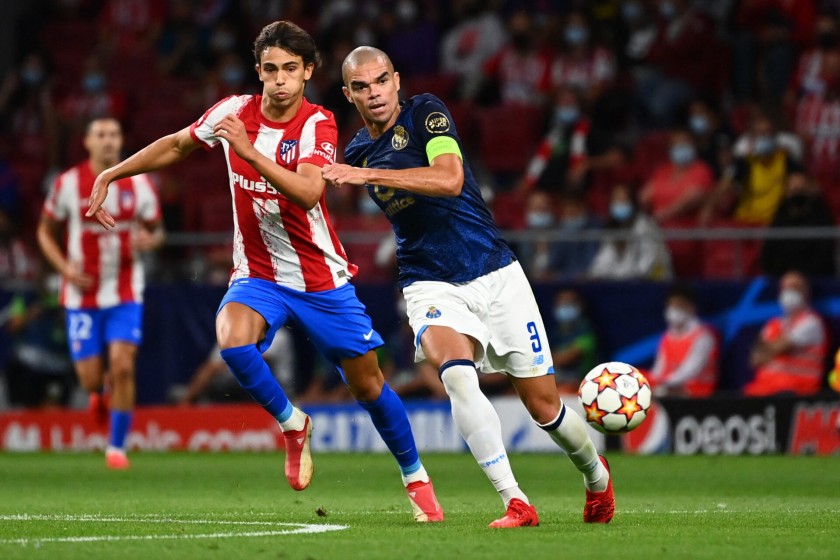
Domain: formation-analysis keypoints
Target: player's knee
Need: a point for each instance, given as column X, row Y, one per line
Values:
column 90, row 383
column 122, row 372
column 231, row 339
column 364, row 378
column 543, row 407
column 460, row 378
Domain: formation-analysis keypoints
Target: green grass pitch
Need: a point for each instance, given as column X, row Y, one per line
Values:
column 238, row 505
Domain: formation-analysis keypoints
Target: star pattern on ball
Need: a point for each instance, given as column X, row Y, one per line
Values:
column 629, row 407
column 593, row 413
column 606, row 379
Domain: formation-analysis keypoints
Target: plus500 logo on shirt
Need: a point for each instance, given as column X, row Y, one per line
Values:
column 254, row 186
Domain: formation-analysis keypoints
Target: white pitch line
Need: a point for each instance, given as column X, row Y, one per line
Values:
column 140, row 519
column 295, row 529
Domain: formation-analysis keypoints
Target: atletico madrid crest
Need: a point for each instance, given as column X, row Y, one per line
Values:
column 288, row 151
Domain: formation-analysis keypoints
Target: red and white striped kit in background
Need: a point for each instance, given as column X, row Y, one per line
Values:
column 274, row 239
column 106, row 255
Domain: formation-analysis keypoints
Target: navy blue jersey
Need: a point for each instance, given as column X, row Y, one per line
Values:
column 447, row 239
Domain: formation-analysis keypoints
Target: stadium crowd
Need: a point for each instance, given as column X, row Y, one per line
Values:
column 596, row 128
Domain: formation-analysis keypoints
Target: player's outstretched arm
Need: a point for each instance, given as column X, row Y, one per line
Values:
column 161, row 153
column 444, row 177
column 303, row 187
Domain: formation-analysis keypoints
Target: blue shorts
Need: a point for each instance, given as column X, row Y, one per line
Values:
column 334, row 320
column 89, row 331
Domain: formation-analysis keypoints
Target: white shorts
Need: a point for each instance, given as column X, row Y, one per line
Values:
column 498, row 310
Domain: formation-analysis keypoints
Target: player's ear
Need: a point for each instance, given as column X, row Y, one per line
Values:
column 346, row 93
column 307, row 72
column 397, row 80
column 257, row 68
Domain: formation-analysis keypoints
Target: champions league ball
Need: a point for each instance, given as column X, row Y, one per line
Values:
column 615, row 397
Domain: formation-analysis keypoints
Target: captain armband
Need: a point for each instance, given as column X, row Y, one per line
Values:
column 440, row 145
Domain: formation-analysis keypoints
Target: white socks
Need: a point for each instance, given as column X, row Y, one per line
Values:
column 569, row 432
column 420, row 475
column 480, row 427
column 296, row 421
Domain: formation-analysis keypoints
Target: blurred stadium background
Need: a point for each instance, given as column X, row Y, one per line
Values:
column 641, row 75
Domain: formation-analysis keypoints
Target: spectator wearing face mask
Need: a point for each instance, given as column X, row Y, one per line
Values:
column 757, row 178
column 573, row 147
column 580, row 63
column 789, row 354
column 712, row 136
column 685, row 59
column 816, row 122
column 229, row 76
column 28, row 111
column 93, row 98
column 573, row 256
column 520, row 70
column 675, row 193
column 573, row 340
column 809, row 76
column 687, row 357
column 538, row 255
column 640, row 252
column 803, row 206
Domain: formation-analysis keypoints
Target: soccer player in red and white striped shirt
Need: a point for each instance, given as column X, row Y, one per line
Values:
column 289, row 266
column 103, row 277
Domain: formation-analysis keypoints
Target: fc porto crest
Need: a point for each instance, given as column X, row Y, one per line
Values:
column 433, row 312
column 400, row 138
column 288, row 151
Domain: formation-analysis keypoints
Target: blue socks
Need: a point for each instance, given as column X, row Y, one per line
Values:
column 391, row 421
column 120, row 424
column 254, row 375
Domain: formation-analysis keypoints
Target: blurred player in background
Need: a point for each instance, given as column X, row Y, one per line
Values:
column 103, row 276
column 467, row 298
column 289, row 266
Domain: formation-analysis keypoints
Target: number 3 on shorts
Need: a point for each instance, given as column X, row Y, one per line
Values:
column 536, row 344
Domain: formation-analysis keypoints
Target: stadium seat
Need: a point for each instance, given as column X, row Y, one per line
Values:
column 462, row 116
column 215, row 214
column 508, row 136
column 730, row 258
column 440, row 85
column 650, row 151
column 739, row 117
column 509, row 210
column 58, row 36
column 150, row 123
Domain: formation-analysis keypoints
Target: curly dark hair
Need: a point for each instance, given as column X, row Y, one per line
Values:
column 290, row 38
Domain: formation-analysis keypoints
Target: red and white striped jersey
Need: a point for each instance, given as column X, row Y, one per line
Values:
column 106, row 255
column 275, row 239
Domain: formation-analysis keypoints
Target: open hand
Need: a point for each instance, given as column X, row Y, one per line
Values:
column 97, row 199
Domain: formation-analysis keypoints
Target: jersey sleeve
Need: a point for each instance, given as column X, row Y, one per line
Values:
column 318, row 140
column 434, row 127
column 148, row 205
column 202, row 129
column 55, row 205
